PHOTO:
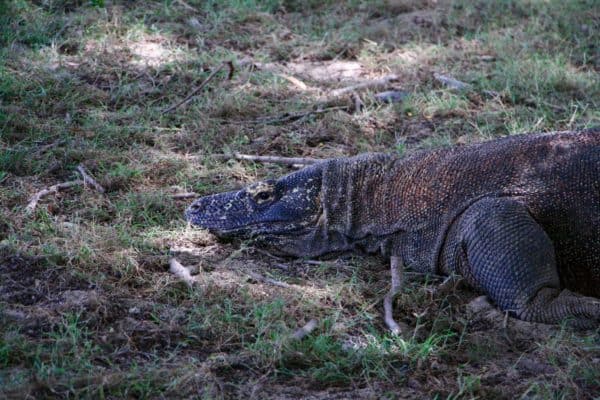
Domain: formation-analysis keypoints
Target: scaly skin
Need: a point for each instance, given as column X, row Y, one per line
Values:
column 518, row 217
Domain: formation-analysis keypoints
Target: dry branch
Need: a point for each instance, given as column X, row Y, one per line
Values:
column 295, row 81
column 45, row 192
column 89, row 180
column 183, row 196
column 305, row 330
column 288, row 117
column 194, row 92
column 259, row 278
column 44, row 148
column 495, row 95
column 271, row 159
column 375, row 83
column 451, row 82
column 265, row 253
column 358, row 103
column 181, row 272
column 186, row 5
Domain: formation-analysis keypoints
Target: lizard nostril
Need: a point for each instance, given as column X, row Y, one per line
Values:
column 195, row 207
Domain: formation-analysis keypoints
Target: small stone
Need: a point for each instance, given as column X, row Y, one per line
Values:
column 194, row 24
column 487, row 58
column 479, row 305
column 391, row 96
column 414, row 384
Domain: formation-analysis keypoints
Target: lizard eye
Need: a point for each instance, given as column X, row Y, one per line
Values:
column 261, row 197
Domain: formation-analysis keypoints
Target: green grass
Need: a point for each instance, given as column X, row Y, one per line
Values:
column 87, row 81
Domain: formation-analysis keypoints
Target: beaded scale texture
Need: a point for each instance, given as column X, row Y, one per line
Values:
column 517, row 217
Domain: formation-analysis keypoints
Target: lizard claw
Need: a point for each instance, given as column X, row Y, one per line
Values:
column 394, row 327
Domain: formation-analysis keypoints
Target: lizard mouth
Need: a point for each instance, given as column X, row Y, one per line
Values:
column 265, row 230
column 261, row 230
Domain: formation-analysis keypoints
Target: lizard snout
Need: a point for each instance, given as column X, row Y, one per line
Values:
column 195, row 209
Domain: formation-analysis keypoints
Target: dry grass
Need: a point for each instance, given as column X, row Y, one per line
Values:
column 87, row 305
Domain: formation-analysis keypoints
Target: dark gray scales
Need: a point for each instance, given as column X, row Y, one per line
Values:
column 518, row 217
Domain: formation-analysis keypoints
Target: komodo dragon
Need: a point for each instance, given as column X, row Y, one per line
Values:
column 517, row 217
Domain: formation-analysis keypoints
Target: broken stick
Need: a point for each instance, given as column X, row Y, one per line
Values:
column 375, row 83
column 451, row 82
column 295, row 81
column 259, row 278
column 42, row 149
column 89, row 180
column 45, row 192
column 199, row 88
column 305, row 330
column 186, row 5
column 181, row 272
column 270, row 159
column 183, row 196
column 288, row 117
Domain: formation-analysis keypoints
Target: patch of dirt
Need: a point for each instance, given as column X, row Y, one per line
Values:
column 302, row 391
column 412, row 131
column 30, row 280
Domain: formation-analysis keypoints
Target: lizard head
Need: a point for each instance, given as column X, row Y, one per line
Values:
column 280, row 213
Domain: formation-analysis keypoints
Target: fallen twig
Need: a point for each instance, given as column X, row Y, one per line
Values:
column 185, row 5
column 45, row 192
column 251, row 63
column 295, row 81
column 199, row 88
column 451, row 82
column 301, row 333
column 313, row 262
column 450, row 284
column 271, row 159
column 183, row 196
column 287, row 117
column 259, row 278
column 181, row 272
column 44, row 148
column 358, row 103
column 491, row 93
column 486, row 58
column 265, row 253
column 375, row 83
column 89, row 180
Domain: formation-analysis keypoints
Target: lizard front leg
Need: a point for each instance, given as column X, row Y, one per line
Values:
column 396, row 270
column 499, row 248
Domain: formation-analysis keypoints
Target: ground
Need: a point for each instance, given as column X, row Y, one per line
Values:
column 88, row 307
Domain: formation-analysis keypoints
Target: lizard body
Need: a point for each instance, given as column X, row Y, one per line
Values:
column 517, row 217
